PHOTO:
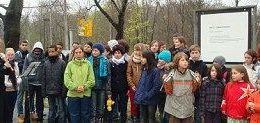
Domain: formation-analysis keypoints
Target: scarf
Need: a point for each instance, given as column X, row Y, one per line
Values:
column 136, row 58
column 103, row 65
column 118, row 61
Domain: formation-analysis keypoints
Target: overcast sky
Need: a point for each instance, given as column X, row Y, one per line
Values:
column 74, row 4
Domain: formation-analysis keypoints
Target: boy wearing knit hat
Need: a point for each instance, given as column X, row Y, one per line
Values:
column 102, row 76
column 164, row 58
column 197, row 65
column 221, row 61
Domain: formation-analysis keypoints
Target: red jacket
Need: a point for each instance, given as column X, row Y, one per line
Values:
column 235, row 99
column 255, row 115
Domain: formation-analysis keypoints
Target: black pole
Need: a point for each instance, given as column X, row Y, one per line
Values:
column 27, row 100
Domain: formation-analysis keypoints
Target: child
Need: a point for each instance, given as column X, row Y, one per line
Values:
column 179, row 46
column 88, row 49
column 164, row 58
column 180, row 85
column 12, row 81
column 221, row 61
column 53, row 85
column 211, row 94
column 34, row 80
column 107, row 52
column 250, row 61
column 235, row 96
column 102, row 76
column 133, row 76
column 79, row 79
column 197, row 65
column 162, row 46
column 119, row 85
column 253, row 104
column 154, row 47
column 148, row 89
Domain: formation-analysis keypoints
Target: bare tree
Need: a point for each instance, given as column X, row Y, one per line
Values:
column 11, row 21
column 119, row 24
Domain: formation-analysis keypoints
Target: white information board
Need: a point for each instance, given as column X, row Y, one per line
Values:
column 224, row 34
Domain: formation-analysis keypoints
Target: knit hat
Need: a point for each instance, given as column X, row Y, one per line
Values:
column 112, row 43
column 165, row 55
column 99, row 46
column 219, row 60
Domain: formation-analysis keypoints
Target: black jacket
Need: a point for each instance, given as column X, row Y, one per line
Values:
column 202, row 69
column 52, row 77
column 118, row 77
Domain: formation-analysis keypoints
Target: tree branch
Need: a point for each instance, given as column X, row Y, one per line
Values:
column 4, row 7
column 114, row 3
column 106, row 14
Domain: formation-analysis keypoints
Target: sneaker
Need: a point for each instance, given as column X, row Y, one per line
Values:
column 20, row 118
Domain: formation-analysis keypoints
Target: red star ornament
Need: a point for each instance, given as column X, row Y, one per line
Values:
column 247, row 91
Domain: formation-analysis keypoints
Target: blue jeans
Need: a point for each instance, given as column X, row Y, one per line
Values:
column 36, row 91
column 98, row 103
column 20, row 101
column 79, row 109
column 56, row 109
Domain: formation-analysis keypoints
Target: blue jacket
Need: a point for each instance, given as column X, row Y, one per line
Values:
column 148, row 88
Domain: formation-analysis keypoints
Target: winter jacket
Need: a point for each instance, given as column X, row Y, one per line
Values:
column 148, row 88
column 133, row 73
column 102, row 81
column 235, row 99
column 211, row 95
column 52, row 80
column 180, row 102
column 118, row 77
column 20, row 57
column 201, row 68
column 79, row 72
column 35, row 78
column 255, row 115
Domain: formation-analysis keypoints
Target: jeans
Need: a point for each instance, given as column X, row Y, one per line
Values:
column 147, row 113
column 56, row 109
column 10, row 99
column 79, row 109
column 98, row 103
column 36, row 90
column 19, row 101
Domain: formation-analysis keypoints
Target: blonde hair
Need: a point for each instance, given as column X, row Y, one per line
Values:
column 9, row 50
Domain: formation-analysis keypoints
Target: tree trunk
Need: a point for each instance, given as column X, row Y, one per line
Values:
column 12, row 24
column 120, row 32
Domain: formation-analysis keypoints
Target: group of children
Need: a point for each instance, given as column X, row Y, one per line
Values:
column 174, row 82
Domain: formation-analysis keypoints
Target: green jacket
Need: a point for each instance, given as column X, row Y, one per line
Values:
column 79, row 72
